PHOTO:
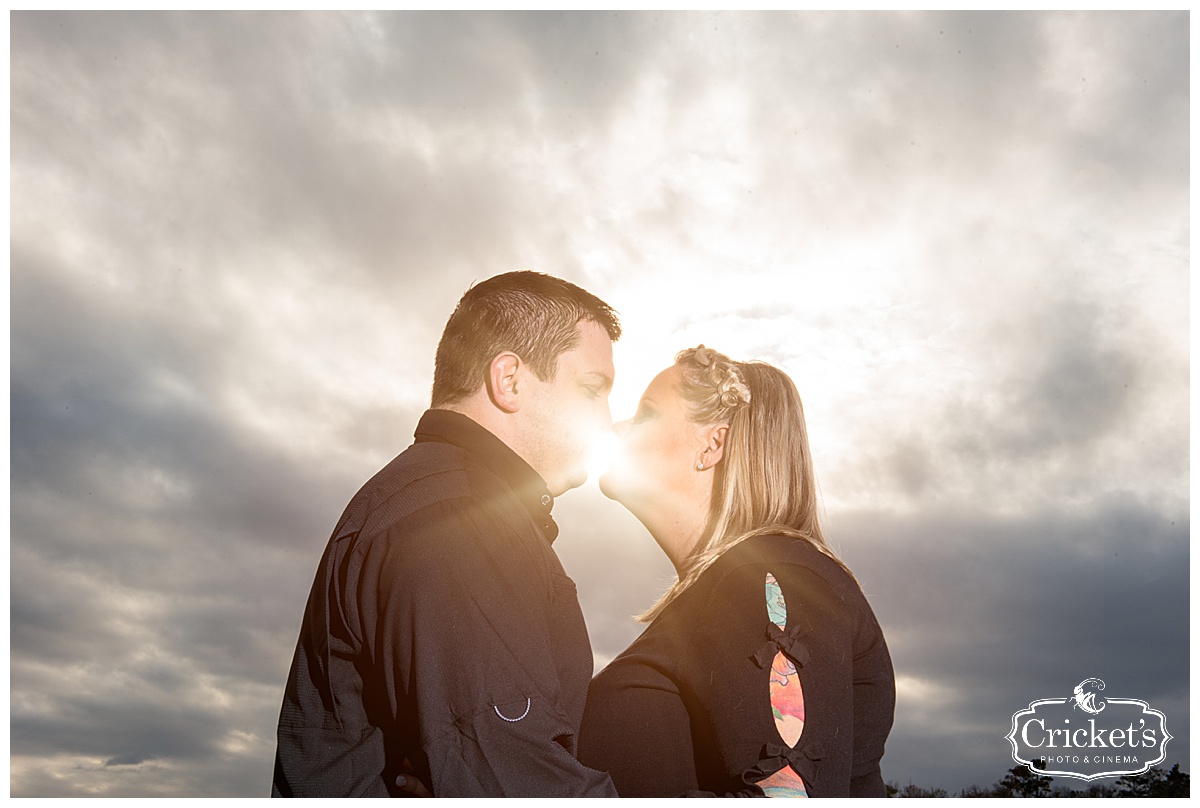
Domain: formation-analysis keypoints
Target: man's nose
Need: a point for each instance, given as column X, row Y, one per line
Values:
column 622, row 427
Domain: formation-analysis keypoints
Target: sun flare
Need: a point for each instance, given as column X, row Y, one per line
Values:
column 601, row 455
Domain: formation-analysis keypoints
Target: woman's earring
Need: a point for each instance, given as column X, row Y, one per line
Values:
column 699, row 465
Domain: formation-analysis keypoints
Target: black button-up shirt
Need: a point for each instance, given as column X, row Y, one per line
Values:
column 441, row 628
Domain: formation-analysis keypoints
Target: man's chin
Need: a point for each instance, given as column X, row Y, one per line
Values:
column 570, row 480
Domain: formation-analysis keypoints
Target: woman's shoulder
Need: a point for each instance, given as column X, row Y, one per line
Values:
column 821, row 594
column 780, row 555
column 801, row 570
column 733, row 588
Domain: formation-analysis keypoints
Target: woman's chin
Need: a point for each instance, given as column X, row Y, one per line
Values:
column 610, row 486
column 605, row 483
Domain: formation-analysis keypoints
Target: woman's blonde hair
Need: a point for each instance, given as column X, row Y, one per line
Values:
column 764, row 483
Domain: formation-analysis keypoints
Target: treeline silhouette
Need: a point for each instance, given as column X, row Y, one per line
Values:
column 1022, row 781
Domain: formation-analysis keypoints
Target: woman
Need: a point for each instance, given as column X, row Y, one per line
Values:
column 763, row 669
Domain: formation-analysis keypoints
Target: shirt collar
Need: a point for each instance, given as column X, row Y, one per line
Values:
column 446, row 426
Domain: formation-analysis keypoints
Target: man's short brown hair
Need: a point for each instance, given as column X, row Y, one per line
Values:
column 531, row 314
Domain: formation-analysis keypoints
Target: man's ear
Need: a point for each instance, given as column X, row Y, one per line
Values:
column 714, row 443
column 502, row 381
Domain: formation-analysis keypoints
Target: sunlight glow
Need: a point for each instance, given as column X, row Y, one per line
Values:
column 600, row 457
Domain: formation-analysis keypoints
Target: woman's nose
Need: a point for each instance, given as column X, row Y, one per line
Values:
column 621, row 427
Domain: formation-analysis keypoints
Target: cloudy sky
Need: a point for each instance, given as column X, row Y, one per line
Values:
column 235, row 240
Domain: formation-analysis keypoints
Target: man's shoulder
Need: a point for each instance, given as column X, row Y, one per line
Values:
column 424, row 475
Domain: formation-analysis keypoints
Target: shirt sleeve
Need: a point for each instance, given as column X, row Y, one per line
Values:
column 465, row 643
column 874, row 707
column 822, row 737
column 636, row 727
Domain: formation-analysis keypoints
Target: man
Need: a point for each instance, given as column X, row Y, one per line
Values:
column 441, row 629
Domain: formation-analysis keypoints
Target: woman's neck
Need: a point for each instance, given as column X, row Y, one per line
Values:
column 678, row 530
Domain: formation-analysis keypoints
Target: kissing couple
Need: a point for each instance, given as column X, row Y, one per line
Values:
column 443, row 650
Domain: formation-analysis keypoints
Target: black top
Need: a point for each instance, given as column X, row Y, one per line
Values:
column 688, row 707
column 440, row 628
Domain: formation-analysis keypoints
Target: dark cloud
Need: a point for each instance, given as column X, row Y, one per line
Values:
column 1078, row 387
column 987, row 614
column 1070, row 380
column 121, row 728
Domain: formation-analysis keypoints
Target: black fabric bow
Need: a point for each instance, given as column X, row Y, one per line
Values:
column 774, row 757
column 786, row 641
